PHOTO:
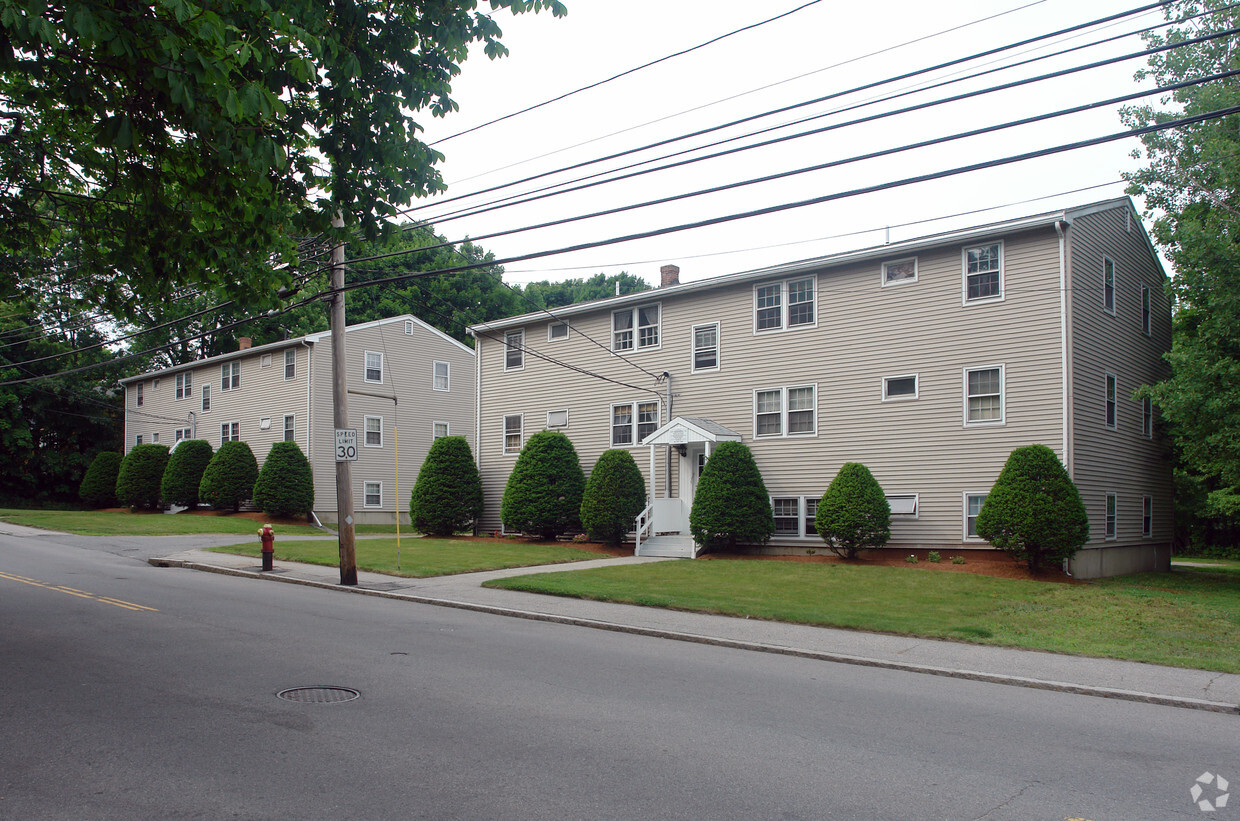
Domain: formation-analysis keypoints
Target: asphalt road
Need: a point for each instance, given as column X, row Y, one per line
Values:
column 133, row 692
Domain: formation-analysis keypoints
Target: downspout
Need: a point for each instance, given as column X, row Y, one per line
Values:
column 477, row 407
column 667, row 479
column 1065, row 343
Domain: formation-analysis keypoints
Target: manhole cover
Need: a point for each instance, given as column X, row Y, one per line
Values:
column 319, row 695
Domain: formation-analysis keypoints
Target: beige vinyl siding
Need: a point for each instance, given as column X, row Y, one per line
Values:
column 863, row 332
column 408, row 364
column 1117, row 461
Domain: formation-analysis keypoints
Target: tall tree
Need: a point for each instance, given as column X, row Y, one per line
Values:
column 547, row 294
column 1192, row 177
column 191, row 143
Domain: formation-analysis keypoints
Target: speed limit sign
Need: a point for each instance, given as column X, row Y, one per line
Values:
column 346, row 444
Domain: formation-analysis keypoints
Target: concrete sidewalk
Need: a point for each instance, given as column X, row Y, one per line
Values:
column 1195, row 689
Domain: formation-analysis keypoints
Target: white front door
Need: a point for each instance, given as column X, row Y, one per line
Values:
column 691, row 465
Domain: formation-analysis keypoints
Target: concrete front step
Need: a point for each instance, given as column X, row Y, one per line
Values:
column 676, row 547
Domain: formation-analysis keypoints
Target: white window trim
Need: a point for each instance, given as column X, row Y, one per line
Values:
column 182, row 390
column 284, row 430
column 366, row 367
column 1147, row 310
column 264, row 361
column 558, row 427
column 632, row 406
column 783, row 306
column 1114, row 536
column 635, row 329
column 1147, row 502
column 229, row 425
column 1114, row 285
column 1107, row 378
column 447, row 377
column 1147, row 418
column 916, row 394
column 964, row 275
column 366, row 430
column 155, row 438
column 567, row 330
column 264, row 423
column 803, row 531
column 137, row 401
column 447, row 430
column 783, row 411
column 519, row 347
column 206, row 398
column 234, row 375
column 964, row 512
column 503, row 432
column 916, row 497
column 408, row 327
column 181, row 434
column 365, row 495
column 137, row 440
column 287, row 363
column 981, row 423
column 693, row 368
column 897, row 282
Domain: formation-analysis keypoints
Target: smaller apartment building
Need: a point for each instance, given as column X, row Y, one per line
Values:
column 408, row 384
column 928, row 360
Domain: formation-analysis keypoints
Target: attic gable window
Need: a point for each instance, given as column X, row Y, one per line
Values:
column 635, row 328
column 785, row 305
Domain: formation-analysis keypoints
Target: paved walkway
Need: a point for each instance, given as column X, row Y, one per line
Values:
column 1196, row 689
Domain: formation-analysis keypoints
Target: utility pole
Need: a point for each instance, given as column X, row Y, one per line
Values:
column 340, row 413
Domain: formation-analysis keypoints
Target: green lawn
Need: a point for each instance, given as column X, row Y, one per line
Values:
column 419, row 557
column 104, row 523
column 1187, row 618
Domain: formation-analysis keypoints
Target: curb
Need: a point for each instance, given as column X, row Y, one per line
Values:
column 737, row 644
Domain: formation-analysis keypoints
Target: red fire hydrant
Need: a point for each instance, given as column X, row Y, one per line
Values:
column 268, row 537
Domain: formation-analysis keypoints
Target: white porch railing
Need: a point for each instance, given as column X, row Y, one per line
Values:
column 643, row 527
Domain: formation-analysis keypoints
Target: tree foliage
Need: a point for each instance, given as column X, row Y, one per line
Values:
column 447, row 496
column 186, row 464
column 853, row 514
column 142, row 470
column 191, row 143
column 230, row 476
column 1034, row 511
column 1192, row 177
column 731, row 505
column 99, row 484
column 544, row 490
column 547, row 294
column 615, row 494
column 285, row 485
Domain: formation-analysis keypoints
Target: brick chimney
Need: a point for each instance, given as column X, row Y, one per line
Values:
column 670, row 275
column 243, row 343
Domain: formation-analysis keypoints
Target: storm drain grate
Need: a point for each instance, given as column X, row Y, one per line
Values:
column 319, row 695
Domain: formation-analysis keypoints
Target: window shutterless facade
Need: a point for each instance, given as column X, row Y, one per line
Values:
column 514, row 350
column 635, row 328
column 790, row 411
column 705, row 347
column 439, row 430
column 230, row 376
column 903, row 505
column 632, row 422
column 1145, row 310
column 137, row 400
column 374, row 431
column 557, row 418
column 1112, row 528
column 1147, row 516
column 1147, row 418
column 184, row 385
column 1108, row 285
column 557, row 331
column 138, row 439
column 513, row 433
column 290, row 363
column 973, row 503
column 794, row 516
column 373, row 494
column 1110, row 406
column 373, row 370
column 896, row 388
column 230, row 432
column 983, row 395
column 290, row 428
column 983, row 272
column 899, row 271
column 155, row 438
column 206, row 397
column 182, row 433
column 440, row 381
column 785, row 305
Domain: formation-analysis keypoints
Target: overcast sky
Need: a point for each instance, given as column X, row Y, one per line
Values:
column 826, row 48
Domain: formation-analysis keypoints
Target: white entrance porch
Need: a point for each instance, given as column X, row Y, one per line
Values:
column 663, row 527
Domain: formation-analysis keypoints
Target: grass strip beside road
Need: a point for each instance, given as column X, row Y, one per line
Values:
column 1186, row 618
column 421, row 558
column 112, row 523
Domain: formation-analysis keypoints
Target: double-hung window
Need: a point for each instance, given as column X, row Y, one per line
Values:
column 1111, row 407
column 983, row 395
column 439, row 380
column 138, row 439
column 513, row 433
column 632, row 422
column 372, row 494
column 1145, row 310
column 373, row 371
column 794, row 515
column 972, row 506
column 1112, row 529
column 290, row 363
column 635, row 328
column 705, row 347
column 206, row 397
column 1108, row 285
column 983, row 272
column 374, row 431
column 182, row 433
column 230, row 432
column 138, row 395
column 1147, row 418
column 290, row 428
column 785, row 305
column 1147, row 516
column 230, row 376
column 185, row 385
column 439, row 430
column 514, row 350
column 790, row 411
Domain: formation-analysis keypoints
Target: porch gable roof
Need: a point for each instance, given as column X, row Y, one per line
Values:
column 684, row 430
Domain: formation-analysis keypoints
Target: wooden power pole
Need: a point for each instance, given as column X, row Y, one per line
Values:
column 340, row 406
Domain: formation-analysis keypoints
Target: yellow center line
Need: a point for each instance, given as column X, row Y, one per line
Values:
column 73, row 591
